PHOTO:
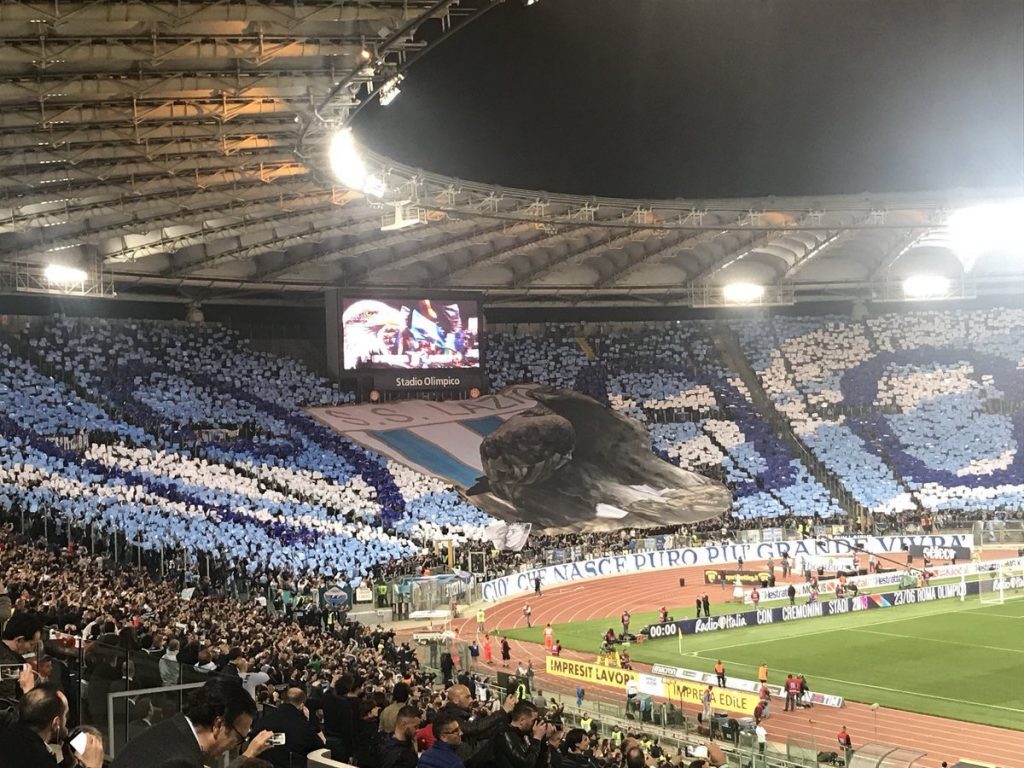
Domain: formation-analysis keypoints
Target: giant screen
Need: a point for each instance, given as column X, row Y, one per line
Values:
column 409, row 334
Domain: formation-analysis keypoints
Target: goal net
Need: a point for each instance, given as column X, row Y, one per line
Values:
column 1005, row 581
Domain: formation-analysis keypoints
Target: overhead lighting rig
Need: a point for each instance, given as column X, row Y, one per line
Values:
column 390, row 91
column 402, row 216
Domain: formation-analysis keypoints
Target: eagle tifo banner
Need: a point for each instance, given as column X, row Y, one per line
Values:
column 553, row 458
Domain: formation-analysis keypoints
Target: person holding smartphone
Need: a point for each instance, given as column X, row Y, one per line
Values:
column 21, row 638
column 294, row 735
column 41, row 719
column 84, row 749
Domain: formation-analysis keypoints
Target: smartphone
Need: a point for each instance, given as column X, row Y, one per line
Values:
column 10, row 671
column 78, row 743
column 277, row 739
column 699, row 751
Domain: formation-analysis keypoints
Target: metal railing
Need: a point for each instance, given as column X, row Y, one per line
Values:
column 675, row 729
column 115, row 738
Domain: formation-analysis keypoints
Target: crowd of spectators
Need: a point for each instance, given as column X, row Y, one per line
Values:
column 178, row 438
column 914, row 412
column 182, row 438
column 87, row 627
column 186, row 439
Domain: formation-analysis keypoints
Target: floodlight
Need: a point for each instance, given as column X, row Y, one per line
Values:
column 365, row 54
column 983, row 228
column 925, row 286
column 62, row 275
column 742, row 293
column 349, row 168
column 346, row 162
column 374, row 186
column 390, row 90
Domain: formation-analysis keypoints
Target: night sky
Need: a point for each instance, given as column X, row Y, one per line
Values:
column 720, row 98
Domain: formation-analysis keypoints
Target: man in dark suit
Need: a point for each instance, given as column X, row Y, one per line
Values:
column 340, row 716
column 143, row 713
column 42, row 717
column 291, row 719
column 219, row 717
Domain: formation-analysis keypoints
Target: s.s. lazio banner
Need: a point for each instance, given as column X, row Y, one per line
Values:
column 642, row 562
column 836, row 607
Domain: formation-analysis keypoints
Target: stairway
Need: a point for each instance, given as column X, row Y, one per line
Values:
column 588, row 349
column 728, row 346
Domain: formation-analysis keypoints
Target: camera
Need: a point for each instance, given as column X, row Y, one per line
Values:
column 277, row 739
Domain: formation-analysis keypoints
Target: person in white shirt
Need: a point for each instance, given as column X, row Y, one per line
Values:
column 169, row 667
column 632, row 691
column 205, row 663
column 481, row 691
column 762, row 738
column 250, row 680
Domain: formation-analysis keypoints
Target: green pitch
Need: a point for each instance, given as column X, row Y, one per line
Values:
column 948, row 658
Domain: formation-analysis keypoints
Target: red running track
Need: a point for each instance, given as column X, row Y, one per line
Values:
column 941, row 738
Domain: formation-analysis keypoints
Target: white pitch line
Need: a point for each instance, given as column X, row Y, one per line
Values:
column 922, row 695
column 888, row 690
column 715, row 653
column 891, row 620
column 938, row 640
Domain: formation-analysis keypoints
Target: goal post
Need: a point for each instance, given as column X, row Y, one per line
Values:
column 1004, row 581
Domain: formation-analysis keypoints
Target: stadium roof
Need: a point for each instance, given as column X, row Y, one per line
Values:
column 178, row 148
